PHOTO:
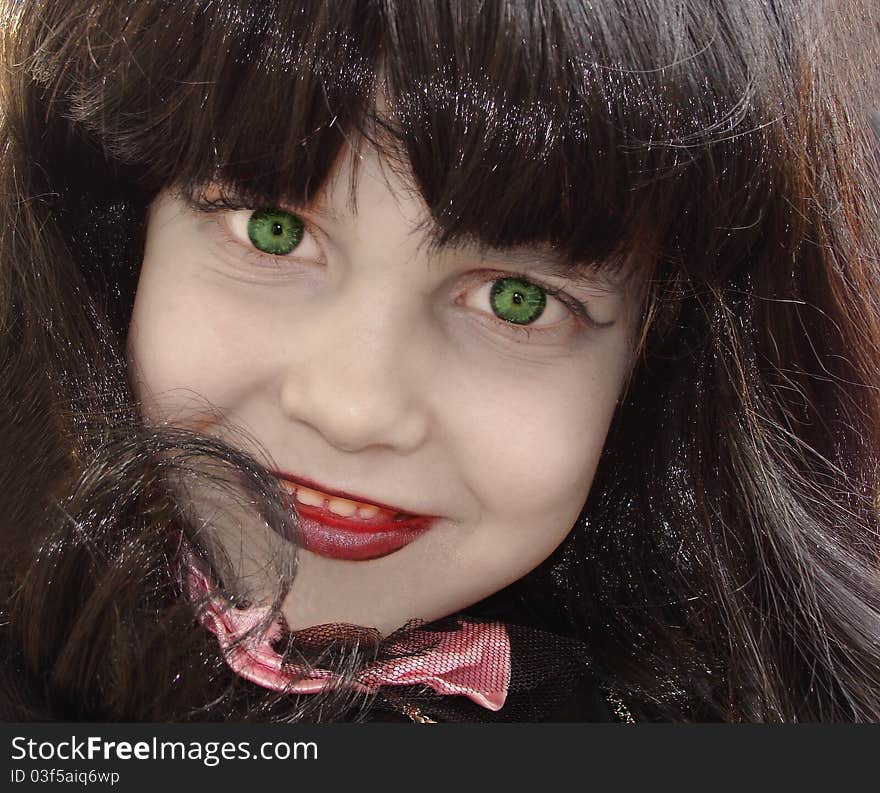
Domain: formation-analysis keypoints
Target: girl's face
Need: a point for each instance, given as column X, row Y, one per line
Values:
column 438, row 413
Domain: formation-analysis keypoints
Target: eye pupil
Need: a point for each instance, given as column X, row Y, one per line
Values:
column 517, row 301
column 275, row 231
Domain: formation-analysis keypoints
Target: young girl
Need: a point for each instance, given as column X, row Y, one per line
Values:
column 511, row 360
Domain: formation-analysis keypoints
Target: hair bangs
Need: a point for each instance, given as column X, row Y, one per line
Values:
column 592, row 127
column 255, row 94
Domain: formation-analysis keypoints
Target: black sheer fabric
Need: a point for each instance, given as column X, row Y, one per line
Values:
column 550, row 675
column 550, row 680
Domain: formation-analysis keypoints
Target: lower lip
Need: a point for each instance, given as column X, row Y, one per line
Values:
column 335, row 537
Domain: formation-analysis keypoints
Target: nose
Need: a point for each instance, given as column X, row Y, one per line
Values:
column 353, row 376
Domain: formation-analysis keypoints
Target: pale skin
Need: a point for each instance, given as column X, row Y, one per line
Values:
column 373, row 363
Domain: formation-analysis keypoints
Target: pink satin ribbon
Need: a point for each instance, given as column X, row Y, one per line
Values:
column 472, row 661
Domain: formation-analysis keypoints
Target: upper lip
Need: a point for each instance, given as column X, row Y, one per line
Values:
column 330, row 491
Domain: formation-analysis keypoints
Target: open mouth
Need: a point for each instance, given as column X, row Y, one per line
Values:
column 339, row 527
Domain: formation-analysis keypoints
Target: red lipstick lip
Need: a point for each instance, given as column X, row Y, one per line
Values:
column 354, row 546
column 337, row 537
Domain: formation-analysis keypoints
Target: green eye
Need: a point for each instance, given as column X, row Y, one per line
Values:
column 517, row 301
column 274, row 231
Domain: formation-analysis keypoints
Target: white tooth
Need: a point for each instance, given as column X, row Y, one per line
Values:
column 309, row 497
column 289, row 487
column 367, row 511
column 342, row 506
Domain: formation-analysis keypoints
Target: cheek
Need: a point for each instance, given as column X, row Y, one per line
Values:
column 532, row 456
column 188, row 351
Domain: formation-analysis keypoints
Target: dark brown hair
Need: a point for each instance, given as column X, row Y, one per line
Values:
column 726, row 563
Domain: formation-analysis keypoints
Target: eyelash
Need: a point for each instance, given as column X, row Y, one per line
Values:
column 217, row 207
column 574, row 306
